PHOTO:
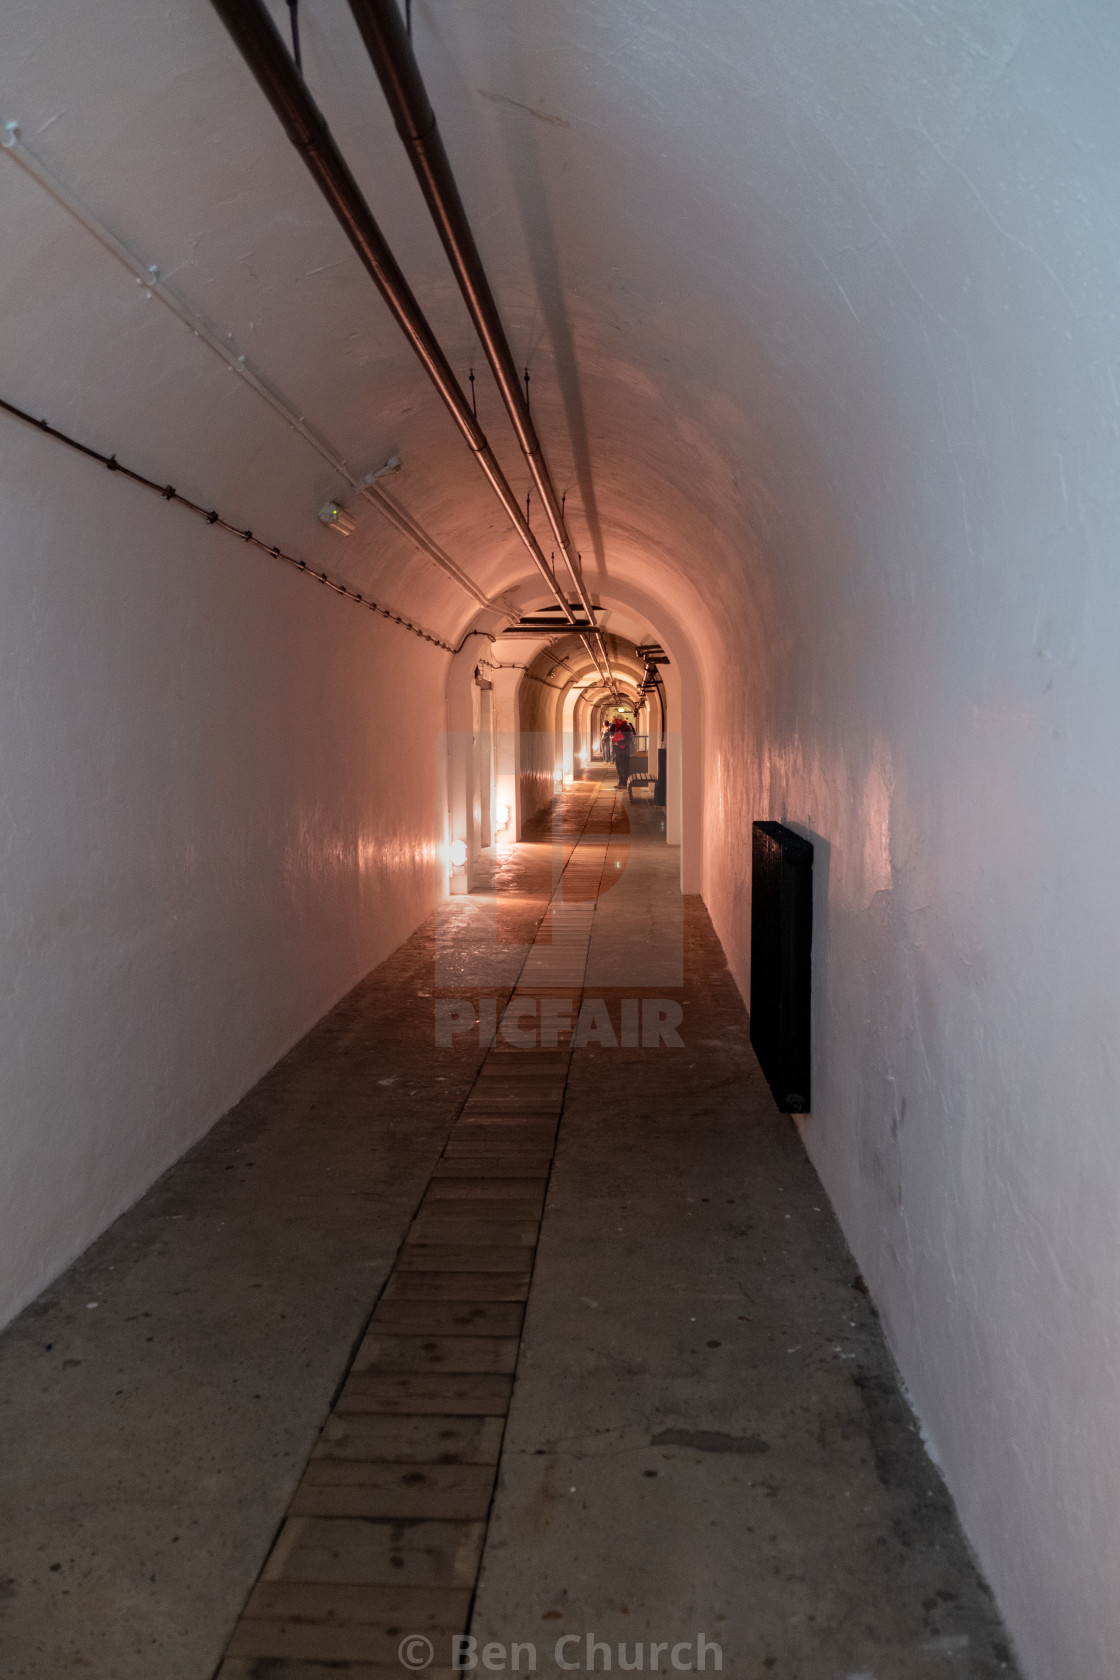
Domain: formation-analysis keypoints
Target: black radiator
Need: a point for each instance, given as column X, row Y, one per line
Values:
column 781, row 959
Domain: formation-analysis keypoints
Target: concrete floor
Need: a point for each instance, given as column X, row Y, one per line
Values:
column 705, row 1435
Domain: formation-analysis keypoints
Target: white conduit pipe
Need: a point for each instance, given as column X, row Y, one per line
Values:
column 148, row 276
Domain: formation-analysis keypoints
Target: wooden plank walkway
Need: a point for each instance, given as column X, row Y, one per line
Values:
column 384, row 1535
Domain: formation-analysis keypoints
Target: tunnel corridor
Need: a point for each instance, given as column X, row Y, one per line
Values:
column 621, row 1378
column 395, row 395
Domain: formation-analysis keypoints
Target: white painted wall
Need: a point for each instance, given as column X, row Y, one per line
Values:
column 935, row 700
column 218, row 788
column 506, row 713
column 536, row 750
column 209, row 833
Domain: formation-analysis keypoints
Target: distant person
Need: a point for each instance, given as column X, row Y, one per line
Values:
column 621, row 733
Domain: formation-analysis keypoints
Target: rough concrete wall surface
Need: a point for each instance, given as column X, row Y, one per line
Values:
column 537, row 751
column 217, row 814
column 936, row 715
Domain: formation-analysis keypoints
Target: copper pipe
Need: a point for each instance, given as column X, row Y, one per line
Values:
column 390, row 50
column 263, row 50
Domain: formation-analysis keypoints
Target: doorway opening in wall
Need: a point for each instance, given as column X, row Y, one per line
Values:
column 535, row 707
column 573, row 693
column 542, row 806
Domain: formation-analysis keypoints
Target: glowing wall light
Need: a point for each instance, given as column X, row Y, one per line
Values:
column 503, row 816
column 458, row 854
column 335, row 518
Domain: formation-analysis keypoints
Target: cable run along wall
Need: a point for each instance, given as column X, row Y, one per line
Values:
column 148, row 276
column 168, row 493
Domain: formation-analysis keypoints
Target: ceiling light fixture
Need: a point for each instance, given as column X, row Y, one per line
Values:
column 335, row 518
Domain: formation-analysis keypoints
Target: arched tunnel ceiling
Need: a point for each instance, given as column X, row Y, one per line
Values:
column 819, row 301
column 686, row 228
column 565, row 661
